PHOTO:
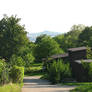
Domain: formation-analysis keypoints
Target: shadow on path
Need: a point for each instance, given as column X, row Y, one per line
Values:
column 35, row 84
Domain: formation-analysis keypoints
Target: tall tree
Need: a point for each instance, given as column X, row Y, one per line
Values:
column 12, row 37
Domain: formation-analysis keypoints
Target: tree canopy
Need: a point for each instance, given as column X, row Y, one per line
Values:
column 85, row 38
column 12, row 37
column 46, row 48
column 70, row 39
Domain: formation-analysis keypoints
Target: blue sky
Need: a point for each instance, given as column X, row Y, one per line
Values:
column 51, row 15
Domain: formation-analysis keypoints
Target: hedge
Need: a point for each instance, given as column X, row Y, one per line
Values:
column 17, row 74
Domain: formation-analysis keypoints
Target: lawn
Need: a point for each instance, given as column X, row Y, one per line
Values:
column 83, row 88
column 34, row 69
column 77, row 83
column 10, row 88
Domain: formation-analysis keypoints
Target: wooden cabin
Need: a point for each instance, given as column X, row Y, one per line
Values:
column 74, row 56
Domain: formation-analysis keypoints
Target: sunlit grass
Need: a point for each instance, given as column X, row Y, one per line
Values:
column 83, row 88
column 34, row 69
column 77, row 83
column 10, row 88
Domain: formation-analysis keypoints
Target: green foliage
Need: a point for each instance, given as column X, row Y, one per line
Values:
column 17, row 74
column 46, row 48
column 83, row 88
column 85, row 38
column 70, row 39
column 77, row 83
column 10, row 88
column 16, row 60
column 4, row 72
column 88, row 70
column 39, row 38
column 12, row 37
column 89, row 53
column 34, row 69
column 29, row 59
column 57, row 71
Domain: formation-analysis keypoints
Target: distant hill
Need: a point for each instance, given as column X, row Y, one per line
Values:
column 33, row 36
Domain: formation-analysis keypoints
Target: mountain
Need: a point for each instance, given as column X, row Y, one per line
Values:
column 33, row 36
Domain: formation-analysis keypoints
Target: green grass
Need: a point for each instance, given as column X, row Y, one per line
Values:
column 77, row 83
column 83, row 88
column 34, row 69
column 10, row 88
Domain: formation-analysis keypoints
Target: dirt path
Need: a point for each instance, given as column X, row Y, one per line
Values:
column 35, row 84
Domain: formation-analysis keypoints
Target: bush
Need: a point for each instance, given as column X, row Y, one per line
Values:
column 4, row 73
column 57, row 71
column 90, row 71
column 29, row 58
column 16, row 60
column 17, row 74
column 87, row 70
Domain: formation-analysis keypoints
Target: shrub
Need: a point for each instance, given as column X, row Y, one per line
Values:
column 17, row 74
column 16, row 60
column 57, row 71
column 90, row 71
column 87, row 70
column 29, row 58
column 53, row 73
column 4, row 72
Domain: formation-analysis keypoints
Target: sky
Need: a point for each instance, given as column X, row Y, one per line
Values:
column 50, row 15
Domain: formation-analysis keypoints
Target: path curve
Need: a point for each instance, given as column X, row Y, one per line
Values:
column 35, row 84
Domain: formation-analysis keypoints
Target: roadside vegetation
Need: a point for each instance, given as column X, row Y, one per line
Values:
column 19, row 56
column 83, row 88
column 10, row 88
column 35, row 69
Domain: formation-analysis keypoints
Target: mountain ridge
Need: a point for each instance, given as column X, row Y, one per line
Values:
column 32, row 36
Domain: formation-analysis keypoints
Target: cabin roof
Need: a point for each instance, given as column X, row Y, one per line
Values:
column 77, row 49
column 59, row 55
column 85, row 60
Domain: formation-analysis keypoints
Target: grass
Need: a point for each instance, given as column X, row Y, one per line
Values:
column 77, row 83
column 10, row 88
column 34, row 69
column 83, row 88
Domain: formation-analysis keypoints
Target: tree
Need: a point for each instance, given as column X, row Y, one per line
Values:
column 70, row 39
column 85, row 38
column 46, row 48
column 39, row 38
column 12, row 37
